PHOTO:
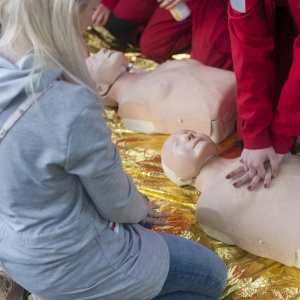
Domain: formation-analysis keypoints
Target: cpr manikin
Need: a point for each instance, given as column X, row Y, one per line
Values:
column 176, row 95
column 264, row 222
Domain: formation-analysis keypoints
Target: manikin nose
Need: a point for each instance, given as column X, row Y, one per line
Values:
column 190, row 136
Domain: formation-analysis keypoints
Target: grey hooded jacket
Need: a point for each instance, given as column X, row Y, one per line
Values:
column 68, row 210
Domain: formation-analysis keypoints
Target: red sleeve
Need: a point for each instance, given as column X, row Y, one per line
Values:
column 286, row 124
column 110, row 3
column 252, row 46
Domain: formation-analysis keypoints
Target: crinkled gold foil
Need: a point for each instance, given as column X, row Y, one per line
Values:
column 249, row 276
column 98, row 37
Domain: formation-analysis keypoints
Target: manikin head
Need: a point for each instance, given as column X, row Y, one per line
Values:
column 105, row 67
column 184, row 153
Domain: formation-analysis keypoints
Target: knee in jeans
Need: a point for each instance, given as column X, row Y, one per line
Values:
column 220, row 278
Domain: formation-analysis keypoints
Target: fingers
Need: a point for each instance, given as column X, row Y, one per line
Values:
column 168, row 4
column 255, row 159
column 99, row 20
column 238, row 171
column 100, row 15
column 268, row 177
column 245, row 175
column 254, row 168
column 154, row 217
column 243, row 179
column 156, row 222
column 251, row 172
column 258, row 164
column 257, row 169
column 279, row 157
column 256, row 179
column 274, row 165
column 157, row 214
column 153, row 205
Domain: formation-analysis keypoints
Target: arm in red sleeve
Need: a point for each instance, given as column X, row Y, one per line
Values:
column 252, row 46
column 286, row 124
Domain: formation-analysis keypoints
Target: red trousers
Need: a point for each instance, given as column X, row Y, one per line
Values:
column 205, row 32
column 162, row 36
column 211, row 40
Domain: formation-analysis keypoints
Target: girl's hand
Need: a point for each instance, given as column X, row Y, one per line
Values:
column 244, row 177
column 168, row 4
column 154, row 217
column 100, row 15
column 256, row 165
column 254, row 161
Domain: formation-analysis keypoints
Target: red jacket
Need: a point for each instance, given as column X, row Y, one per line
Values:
column 252, row 30
column 109, row 3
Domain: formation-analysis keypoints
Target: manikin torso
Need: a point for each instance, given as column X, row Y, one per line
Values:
column 264, row 222
column 177, row 95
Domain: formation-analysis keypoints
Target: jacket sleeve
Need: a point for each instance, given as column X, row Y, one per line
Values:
column 110, row 3
column 94, row 158
column 252, row 46
column 286, row 124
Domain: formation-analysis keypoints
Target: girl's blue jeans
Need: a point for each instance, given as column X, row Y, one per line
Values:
column 195, row 271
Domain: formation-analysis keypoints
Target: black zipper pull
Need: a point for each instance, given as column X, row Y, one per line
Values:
column 262, row 9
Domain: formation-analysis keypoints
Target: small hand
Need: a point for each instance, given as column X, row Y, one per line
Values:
column 168, row 4
column 254, row 161
column 153, row 216
column 245, row 177
column 245, row 174
column 100, row 15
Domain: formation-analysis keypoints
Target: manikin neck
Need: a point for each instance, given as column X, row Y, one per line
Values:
column 212, row 168
column 123, row 70
column 123, row 83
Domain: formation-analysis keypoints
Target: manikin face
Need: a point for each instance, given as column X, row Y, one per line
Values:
column 185, row 151
column 106, row 65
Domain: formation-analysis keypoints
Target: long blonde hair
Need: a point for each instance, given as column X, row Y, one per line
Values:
column 50, row 29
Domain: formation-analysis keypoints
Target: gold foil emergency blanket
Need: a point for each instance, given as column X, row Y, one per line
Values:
column 249, row 276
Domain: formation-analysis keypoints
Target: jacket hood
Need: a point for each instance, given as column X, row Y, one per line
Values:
column 15, row 78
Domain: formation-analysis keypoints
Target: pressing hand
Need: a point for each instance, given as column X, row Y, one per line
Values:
column 257, row 165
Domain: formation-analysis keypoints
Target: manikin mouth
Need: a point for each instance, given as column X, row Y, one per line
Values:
column 110, row 53
column 195, row 144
